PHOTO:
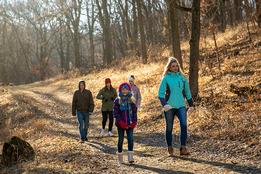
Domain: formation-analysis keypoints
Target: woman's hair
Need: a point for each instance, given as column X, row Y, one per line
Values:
column 167, row 67
column 132, row 76
column 111, row 88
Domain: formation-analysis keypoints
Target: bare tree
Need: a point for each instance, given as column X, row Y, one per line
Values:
column 258, row 12
column 194, row 46
column 222, row 15
column 72, row 10
column 173, row 19
column 105, row 23
column 135, row 27
column 3, row 63
column 238, row 11
column 142, row 35
column 91, row 21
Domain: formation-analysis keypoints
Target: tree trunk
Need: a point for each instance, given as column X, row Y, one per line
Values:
column 142, row 35
column 107, row 34
column 258, row 12
column 91, row 21
column 216, row 48
column 76, row 40
column 67, row 60
column 185, row 24
column 61, row 47
column 238, row 11
column 150, row 35
column 3, row 53
column 173, row 17
column 230, row 14
column 105, row 23
column 135, row 29
column 74, row 22
column 127, row 19
column 194, row 48
column 223, row 15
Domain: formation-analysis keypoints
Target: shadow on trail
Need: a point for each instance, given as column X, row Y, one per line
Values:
column 37, row 112
column 156, row 169
column 112, row 150
column 234, row 167
column 51, row 97
column 65, row 134
column 158, row 139
column 103, row 147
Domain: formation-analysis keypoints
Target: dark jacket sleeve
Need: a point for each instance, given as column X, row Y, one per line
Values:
column 115, row 94
column 99, row 95
column 162, row 90
column 116, row 113
column 74, row 104
column 91, row 103
column 134, row 112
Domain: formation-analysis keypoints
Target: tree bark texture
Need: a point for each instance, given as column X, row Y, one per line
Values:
column 194, row 49
column 142, row 35
column 174, row 28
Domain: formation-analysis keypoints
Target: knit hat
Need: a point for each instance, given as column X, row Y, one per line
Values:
column 107, row 80
column 132, row 78
column 124, row 85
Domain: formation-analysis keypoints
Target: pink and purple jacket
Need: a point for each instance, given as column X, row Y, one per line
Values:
column 121, row 116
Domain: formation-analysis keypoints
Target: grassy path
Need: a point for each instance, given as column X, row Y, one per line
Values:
column 59, row 151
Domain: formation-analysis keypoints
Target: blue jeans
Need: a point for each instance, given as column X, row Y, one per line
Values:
column 83, row 119
column 169, row 118
column 121, row 138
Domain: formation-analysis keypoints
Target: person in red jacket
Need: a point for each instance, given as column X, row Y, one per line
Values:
column 125, row 113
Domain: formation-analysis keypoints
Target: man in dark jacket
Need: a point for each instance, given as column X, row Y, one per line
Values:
column 84, row 105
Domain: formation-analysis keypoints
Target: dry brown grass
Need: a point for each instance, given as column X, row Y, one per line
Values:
column 220, row 114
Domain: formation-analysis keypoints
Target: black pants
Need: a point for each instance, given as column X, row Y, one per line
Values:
column 105, row 117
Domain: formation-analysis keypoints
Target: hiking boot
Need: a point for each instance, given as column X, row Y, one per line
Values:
column 110, row 134
column 170, row 151
column 102, row 132
column 130, row 156
column 183, row 151
column 120, row 157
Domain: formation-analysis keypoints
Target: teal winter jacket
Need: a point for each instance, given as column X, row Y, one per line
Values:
column 173, row 90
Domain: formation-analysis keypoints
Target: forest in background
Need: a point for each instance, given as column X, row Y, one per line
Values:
column 40, row 39
column 224, row 129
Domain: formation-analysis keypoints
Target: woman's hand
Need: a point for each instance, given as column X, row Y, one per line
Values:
column 167, row 107
column 190, row 110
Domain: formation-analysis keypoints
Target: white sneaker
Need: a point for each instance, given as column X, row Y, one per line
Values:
column 102, row 132
column 110, row 134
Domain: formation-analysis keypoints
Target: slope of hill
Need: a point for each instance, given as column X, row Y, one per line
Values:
column 224, row 129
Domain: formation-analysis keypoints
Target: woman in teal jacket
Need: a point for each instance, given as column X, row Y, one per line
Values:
column 173, row 90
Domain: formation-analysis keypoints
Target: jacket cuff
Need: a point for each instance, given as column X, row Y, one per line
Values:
column 133, row 125
column 190, row 102
column 163, row 101
column 122, row 124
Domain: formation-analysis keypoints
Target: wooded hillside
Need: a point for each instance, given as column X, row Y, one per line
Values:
column 224, row 130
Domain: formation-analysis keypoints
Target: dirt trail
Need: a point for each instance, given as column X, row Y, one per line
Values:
column 59, row 150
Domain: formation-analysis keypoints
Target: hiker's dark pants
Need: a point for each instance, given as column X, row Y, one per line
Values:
column 105, row 118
